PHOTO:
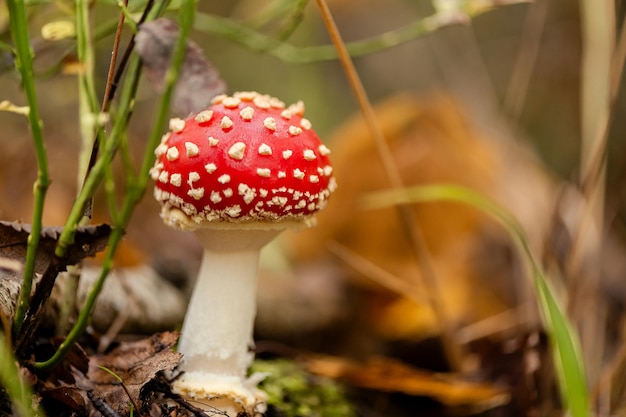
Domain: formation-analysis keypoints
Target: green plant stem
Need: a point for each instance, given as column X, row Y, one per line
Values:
column 121, row 381
column 564, row 340
column 272, row 10
column 97, row 173
column 123, row 5
column 289, row 12
column 93, row 180
column 295, row 18
column 89, row 108
column 137, row 188
column 257, row 41
column 24, row 63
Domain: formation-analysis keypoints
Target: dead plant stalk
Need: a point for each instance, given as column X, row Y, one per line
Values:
column 453, row 351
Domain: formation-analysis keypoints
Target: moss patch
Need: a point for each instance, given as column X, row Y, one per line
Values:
column 292, row 392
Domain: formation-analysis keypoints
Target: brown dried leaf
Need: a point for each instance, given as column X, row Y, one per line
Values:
column 68, row 397
column 136, row 363
column 88, row 241
column 198, row 82
column 385, row 374
column 13, row 245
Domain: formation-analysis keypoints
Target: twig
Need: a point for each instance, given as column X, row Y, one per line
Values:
column 24, row 63
column 111, row 73
column 453, row 351
column 113, row 78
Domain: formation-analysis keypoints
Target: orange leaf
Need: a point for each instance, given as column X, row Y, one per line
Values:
column 385, row 374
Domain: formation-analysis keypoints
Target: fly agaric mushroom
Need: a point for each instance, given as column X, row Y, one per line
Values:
column 236, row 174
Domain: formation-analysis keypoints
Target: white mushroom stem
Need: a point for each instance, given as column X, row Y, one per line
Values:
column 216, row 338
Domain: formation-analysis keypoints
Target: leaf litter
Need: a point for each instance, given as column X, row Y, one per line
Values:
column 117, row 379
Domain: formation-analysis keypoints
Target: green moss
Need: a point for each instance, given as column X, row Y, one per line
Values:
column 292, row 392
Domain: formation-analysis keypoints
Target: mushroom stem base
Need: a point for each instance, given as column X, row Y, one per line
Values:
column 230, row 396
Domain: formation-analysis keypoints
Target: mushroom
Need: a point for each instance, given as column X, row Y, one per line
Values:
column 236, row 174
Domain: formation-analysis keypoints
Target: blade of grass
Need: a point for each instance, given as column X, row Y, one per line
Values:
column 564, row 339
column 24, row 64
column 121, row 381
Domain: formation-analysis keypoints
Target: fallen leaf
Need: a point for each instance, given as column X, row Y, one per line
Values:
column 13, row 246
column 135, row 363
column 64, row 398
column 198, row 81
column 389, row 375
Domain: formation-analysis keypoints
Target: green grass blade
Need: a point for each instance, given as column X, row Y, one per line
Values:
column 564, row 339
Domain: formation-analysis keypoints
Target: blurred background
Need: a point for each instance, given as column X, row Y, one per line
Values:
column 488, row 97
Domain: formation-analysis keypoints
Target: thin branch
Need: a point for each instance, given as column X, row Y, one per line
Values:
column 113, row 78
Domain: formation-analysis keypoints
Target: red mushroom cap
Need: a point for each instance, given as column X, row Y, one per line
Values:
column 247, row 158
